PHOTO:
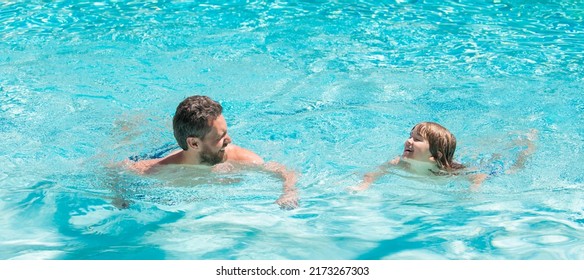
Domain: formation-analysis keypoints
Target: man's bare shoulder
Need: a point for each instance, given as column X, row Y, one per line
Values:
column 242, row 155
column 150, row 165
column 144, row 166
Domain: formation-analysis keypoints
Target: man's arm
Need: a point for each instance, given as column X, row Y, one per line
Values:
column 289, row 197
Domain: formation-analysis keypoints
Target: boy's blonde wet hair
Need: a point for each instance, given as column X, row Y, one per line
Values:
column 442, row 144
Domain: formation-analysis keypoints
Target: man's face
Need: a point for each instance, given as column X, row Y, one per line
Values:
column 214, row 143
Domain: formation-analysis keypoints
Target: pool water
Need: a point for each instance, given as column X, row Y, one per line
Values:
column 330, row 89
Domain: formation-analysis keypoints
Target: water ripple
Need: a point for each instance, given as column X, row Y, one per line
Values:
column 328, row 35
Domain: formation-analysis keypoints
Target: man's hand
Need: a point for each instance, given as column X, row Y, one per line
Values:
column 361, row 187
column 289, row 198
column 288, row 201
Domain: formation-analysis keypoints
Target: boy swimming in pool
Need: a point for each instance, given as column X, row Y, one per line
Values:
column 201, row 132
column 430, row 151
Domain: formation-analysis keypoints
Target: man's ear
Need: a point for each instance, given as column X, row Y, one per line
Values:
column 193, row 143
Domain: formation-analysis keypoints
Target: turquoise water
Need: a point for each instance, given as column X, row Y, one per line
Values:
column 330, row 89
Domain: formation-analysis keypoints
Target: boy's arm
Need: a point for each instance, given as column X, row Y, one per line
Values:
column 524, row 155
column 370, row 177
column 530, row 137
column 476, row 180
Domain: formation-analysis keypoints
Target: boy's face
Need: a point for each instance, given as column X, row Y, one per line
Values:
column 417, row 148
column 214, row 143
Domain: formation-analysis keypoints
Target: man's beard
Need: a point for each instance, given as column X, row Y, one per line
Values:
column 212, row 158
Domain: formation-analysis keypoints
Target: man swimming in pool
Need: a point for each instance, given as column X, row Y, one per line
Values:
column 201, row 131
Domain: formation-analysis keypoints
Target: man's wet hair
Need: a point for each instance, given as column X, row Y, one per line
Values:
column 193, row 118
